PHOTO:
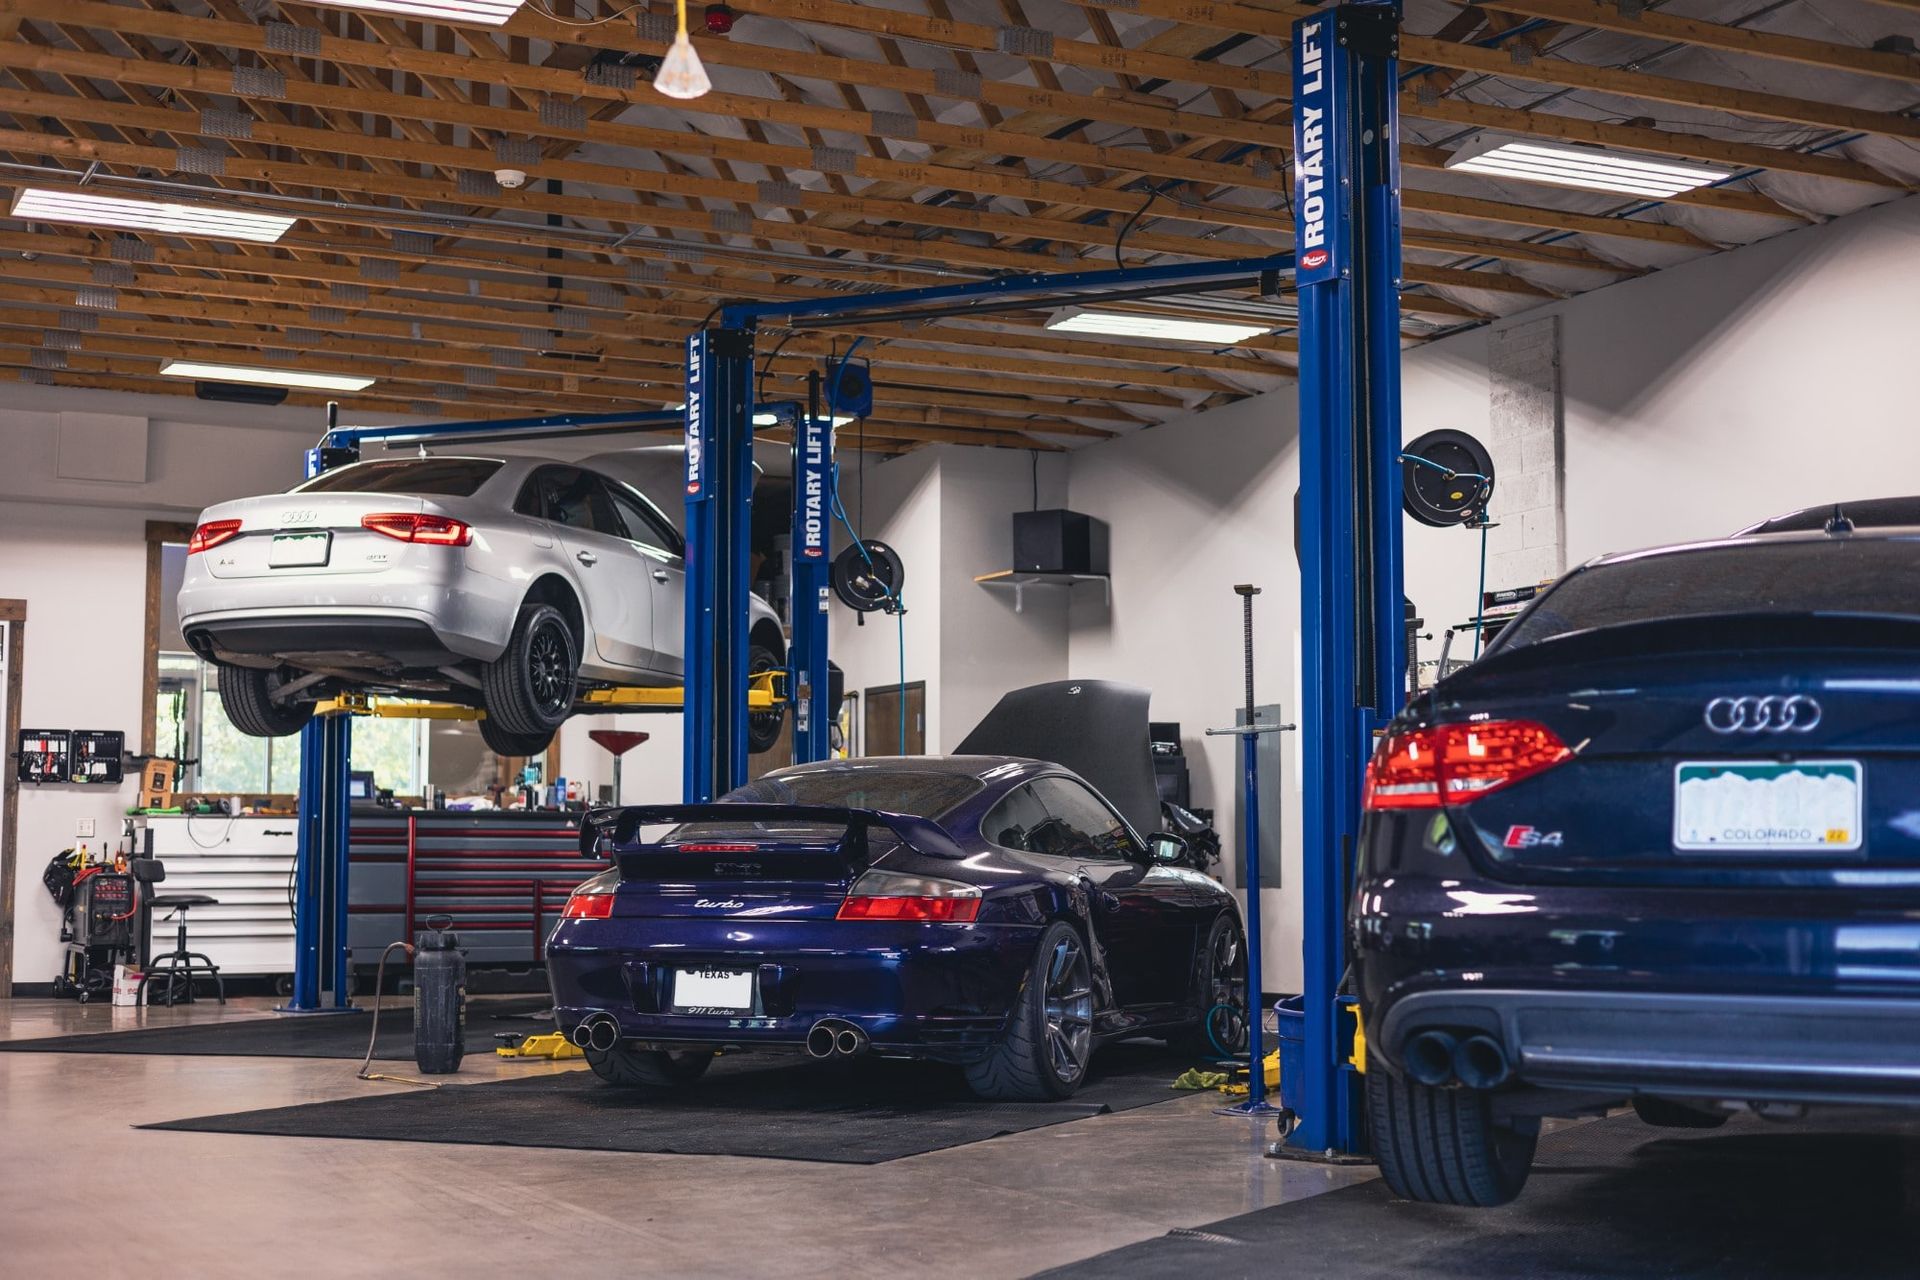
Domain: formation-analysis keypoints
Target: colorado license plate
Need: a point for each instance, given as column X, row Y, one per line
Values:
column 299, row 550
column 1743, row 806
column 713, row 991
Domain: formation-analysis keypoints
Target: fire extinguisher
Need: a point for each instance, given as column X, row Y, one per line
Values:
column 439, row 998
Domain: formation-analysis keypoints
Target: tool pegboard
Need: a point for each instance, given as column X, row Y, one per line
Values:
column 44, row 755
column 97, row 756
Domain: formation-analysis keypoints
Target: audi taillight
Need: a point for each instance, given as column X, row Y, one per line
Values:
column 416, row 526
column 888, row 895
column 211, row 534
column 1458, row 763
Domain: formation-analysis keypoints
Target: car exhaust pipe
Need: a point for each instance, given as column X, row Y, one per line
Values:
column 822, row 1042
column 1481, row 1063
column 599, row 1032
column 1430, row 1058
column 835, row 1038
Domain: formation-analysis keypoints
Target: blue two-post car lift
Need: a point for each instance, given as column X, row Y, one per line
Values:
column 1347, row 272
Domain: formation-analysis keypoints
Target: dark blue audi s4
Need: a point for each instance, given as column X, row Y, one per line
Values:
column 993, row 912
column 1659, row 846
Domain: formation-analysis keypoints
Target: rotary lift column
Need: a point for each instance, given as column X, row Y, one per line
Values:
column 719, row 493
column 1347, row 270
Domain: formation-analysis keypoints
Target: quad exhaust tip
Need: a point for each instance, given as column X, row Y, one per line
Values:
column 835, row 1038
column 1430, row 1058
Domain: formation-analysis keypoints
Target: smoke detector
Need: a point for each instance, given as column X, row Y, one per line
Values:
column 510, row 179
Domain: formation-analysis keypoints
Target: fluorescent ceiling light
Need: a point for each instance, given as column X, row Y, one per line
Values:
column 773, row 419
column 264, row 377
column 1562, row 164
column 94, row 209
column 1216, row 333
column 478, row 13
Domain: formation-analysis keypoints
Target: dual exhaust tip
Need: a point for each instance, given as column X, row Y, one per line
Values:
column 597, row 1031
column 835, row 1038
column 1440, row 1058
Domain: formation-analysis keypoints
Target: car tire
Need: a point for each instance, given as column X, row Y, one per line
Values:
column 763, row 727
column 1665, row 1113
column 247, row 695
column 658, row 1070
column 1049, row 1039
column 503, row 741
column 1221, row 972
column 530, row 687
column 1441, row 1146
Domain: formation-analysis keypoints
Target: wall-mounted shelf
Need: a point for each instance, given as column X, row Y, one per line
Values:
column 1019, row 581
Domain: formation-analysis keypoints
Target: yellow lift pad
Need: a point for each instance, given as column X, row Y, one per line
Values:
column 763, row 693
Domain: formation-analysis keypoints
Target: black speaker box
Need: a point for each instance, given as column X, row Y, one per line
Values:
column 1059, row 541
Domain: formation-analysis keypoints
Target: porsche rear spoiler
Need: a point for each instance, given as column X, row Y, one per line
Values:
column 614, row 832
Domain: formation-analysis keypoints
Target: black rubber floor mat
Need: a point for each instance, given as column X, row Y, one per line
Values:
column 1611, row 1198
column 318, row 1035
column 862, row 1113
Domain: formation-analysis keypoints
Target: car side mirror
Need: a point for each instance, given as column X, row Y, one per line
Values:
column 1165, row 847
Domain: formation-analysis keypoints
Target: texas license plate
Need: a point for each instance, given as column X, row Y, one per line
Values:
column 299, row 550
column 713, row 991
column 1746, row 806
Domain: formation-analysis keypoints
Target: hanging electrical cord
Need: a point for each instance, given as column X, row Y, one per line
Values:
column 1480, row 610
column 1153, row 193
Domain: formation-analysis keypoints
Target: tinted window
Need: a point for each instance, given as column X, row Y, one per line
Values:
column 922, row 794
column 643, row 523
column 437, row 477
column 1081, row 826
column 1011, row 823
column 577, row 499
column 1870, row 576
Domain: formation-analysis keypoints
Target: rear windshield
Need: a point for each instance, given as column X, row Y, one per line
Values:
column 438, row 477
column 923, row 794
column 1871, row 577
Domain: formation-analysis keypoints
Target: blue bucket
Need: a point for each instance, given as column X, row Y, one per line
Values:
column 1291, row 1016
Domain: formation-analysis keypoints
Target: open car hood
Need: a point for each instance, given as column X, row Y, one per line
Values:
column 1097, row 728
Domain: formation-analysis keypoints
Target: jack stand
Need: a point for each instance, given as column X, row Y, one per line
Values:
column 1256, row 1104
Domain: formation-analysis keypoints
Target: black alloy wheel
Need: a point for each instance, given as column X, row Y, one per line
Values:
column 1221, row 969
column 763, row 727
column 529, row 688
column 1049, row 1039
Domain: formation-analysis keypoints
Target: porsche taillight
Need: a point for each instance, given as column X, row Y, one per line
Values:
column 890, row 895
column 1455, row 764
column 589, row 906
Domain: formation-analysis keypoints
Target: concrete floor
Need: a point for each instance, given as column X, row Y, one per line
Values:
column 77, row 1181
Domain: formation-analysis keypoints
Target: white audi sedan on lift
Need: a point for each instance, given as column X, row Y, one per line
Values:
column 511, row 584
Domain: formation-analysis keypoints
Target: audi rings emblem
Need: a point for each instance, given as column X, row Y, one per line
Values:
column 1773, row 714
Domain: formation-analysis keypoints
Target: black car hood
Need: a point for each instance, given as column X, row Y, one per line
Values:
column 1097, row 728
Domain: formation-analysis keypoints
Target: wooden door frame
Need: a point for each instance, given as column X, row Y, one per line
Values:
column 14, row 613
column 159, row 533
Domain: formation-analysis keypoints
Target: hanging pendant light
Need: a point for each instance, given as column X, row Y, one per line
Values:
column 681, row 75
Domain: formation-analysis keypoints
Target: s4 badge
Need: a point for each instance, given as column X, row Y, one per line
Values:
column 1531, row 838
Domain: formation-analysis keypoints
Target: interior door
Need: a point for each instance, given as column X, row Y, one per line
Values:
column 663, row 556
column 882, row 735
column 610, row 570
column 1143, row 915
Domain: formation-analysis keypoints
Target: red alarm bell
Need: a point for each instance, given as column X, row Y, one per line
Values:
column 719, row 19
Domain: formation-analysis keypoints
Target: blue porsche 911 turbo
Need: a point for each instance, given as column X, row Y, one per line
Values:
column 994, row 912
column 1659, row 846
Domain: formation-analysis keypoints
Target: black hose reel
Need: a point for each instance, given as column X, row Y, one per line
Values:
column 867, row 577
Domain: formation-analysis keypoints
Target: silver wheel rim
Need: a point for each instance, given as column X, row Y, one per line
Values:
column 1069, row 1008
